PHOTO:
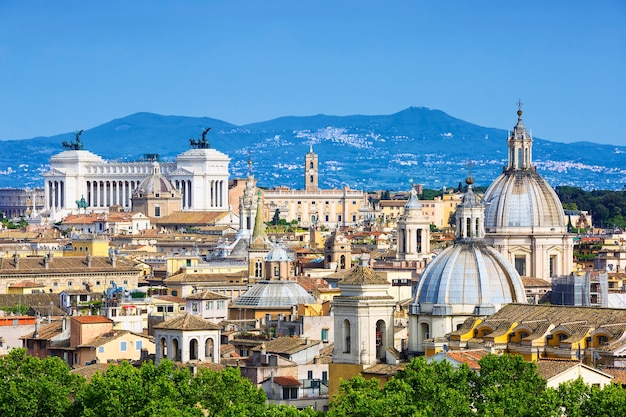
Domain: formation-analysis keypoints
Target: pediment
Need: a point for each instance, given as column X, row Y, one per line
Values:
column 180, row 172
column 53, row 173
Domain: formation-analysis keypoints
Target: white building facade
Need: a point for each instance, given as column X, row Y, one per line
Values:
column 199, row 174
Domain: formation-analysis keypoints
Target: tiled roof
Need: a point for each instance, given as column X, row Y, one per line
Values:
column 206, row 295
column 383, row 369
column 170, row 298
column 191, row 218
column 618, row 373
column 29, row 300
column 286, row 381
column 46, row 332
column 363, row 275
column 61, row 264
column 468, row 357
column 90, row 370
column 535, row 282
column 549, row 368
column 185, row 277
column 287, row 345
column 26, row 284
column 187, row 322
column 91, row 319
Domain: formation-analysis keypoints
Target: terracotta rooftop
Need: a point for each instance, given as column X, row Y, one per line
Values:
column 192, row 218
column 46, row 332
column 26, row 284
column 286, row 381
column 91, row 319
column 187, row 322
column 468, row 357
column 105, row 338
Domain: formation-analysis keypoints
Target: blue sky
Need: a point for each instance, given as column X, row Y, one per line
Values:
column 68, row 65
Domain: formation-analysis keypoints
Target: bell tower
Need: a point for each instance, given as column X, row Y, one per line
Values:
column 311, row 171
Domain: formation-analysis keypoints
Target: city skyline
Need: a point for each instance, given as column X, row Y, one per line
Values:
column 72, row 65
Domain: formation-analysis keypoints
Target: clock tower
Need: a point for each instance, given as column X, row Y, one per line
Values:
column 310, row 171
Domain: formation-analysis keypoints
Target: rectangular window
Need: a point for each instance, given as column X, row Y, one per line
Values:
column 290, row 393
column 327, row 217
column 138, row 345
column 220, row 305
column 324, row 335
column 309, row 375
column 101, row 349
column 209, row 305
column 157, row 211
column 123, row 346
column 339, row 218
column 194, row 307
column 324, row 375
column 520, row 265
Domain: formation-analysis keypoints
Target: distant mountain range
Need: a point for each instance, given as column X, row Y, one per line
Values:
column 362, row 152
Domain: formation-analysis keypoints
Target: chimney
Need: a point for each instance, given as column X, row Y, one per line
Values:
column 36, row 332
column 46, row 261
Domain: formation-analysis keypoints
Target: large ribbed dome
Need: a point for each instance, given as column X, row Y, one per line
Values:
column 522, row 199
column 466, row 276
column 155, row 183
column 275, row 293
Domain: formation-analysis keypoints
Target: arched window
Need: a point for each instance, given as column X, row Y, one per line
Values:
column 208, row 350
column 468, row 228
column 193, row 349
column 176, row 353
column 346, row 336
column 258, row 269
column 311, row 165
column 342, row 262
column 381, row 346
column 163, row 348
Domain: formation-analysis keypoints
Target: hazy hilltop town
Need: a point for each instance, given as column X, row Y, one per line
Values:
column 115, row 265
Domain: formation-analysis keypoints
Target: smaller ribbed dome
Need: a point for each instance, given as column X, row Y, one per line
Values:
column 275, row 294
column 278, row 254
column 468, row 275
column 155, row 183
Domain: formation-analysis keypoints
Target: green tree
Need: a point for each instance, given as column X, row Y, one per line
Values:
column 359, row 397
column 227, row 393
column 30, row 386
column 609, row 401
column 148, row 391
column 508, row 386
column 435, row 389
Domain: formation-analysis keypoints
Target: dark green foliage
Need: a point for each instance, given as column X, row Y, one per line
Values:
column 607, row 207
column 30, row 386
column 505, row 386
